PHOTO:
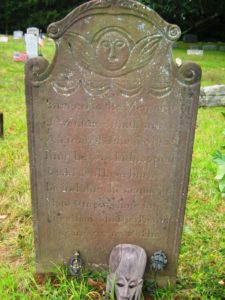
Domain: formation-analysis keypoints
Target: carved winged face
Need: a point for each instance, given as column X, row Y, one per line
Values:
column 112, row 50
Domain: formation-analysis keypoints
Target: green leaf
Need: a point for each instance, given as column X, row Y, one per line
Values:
column 223, row 113
column 220, row 172
column 218, row 158
column 222, row 186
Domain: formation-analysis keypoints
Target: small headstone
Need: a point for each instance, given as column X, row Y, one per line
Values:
column 1, row 125
column 4, row 39
column 17, row 34
column 190, row 38
column 209, row 47
column 195, row 52
column 111, row 129
column 31, row 45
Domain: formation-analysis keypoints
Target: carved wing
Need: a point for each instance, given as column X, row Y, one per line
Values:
column 143, row 52
column 81, row 50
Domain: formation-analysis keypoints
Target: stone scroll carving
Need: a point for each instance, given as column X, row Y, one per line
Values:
column 126, row 266
column 111, row 128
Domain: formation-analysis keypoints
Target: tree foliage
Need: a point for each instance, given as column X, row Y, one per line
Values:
column 204, row 17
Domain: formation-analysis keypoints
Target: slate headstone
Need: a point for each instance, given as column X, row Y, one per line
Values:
column 190, row 38
column 17, row 34
column 111, row 128
column 31, row 45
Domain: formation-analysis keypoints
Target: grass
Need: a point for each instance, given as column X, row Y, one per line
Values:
column 201, row 271
column 212, row 63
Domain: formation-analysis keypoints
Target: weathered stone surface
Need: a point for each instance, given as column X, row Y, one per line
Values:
column 212, row 95
column 111, row 128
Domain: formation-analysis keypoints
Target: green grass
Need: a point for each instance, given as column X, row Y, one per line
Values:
column 212, row 63
column 202, row 257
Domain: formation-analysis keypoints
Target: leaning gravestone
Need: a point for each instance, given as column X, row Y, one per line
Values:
column 111, row 127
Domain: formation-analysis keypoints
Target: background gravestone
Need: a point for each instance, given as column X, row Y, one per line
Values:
column 31, row 45
column 17, row 34
column 111, row 128
column 34, row 31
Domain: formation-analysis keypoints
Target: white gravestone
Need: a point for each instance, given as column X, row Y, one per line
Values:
column 4, row 39
column 31, row 45
column 195, row 52
column 17, row 34
column 34, row 31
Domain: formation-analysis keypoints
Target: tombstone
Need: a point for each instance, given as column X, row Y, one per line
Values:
column 4, row 39
column 1, row 125
column 17, row 34
column 34, row 31
column 190, row 38
column 195, row 52
column 111, row 128
column 31, row 45
column 209, row 47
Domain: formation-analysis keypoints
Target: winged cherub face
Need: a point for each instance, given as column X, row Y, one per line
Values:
column 112, row 50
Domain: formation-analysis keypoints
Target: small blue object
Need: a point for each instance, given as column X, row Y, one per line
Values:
column 158, row 261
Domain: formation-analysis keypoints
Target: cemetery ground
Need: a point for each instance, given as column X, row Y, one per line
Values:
column 201, row 272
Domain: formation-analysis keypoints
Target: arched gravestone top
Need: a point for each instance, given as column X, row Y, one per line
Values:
column 111, row 127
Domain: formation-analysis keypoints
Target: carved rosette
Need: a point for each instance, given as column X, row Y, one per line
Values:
column 189, row 74
column 36, row 68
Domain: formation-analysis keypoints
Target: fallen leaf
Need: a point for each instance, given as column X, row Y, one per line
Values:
column 3, row 217
column 42, row 278
column 97, row 285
